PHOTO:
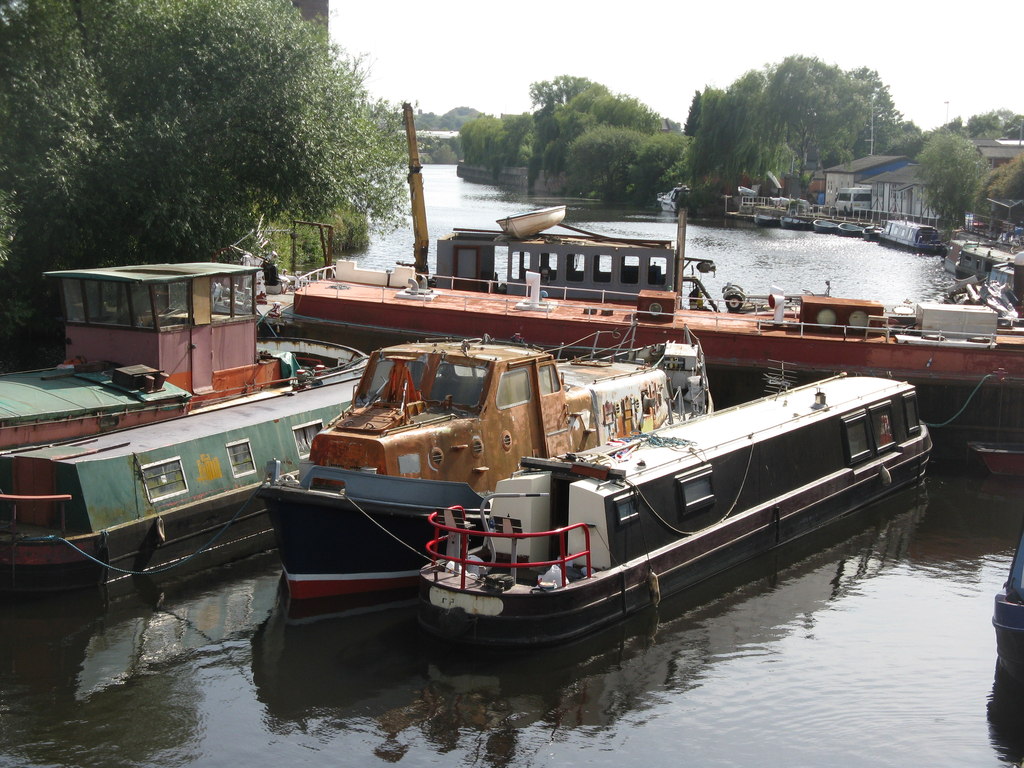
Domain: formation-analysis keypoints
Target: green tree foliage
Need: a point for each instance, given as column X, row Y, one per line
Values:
column 881, row 128
column 813, row 105
column 568, row 107
column 1006, row 182
column 497, row 143
column 908, row 141
column 733, row 141
column 661, row 163
column 997, row 124
column 953, row 173
column 601, row 161
column 693, row 116
column 159, row 130
column 452, row 120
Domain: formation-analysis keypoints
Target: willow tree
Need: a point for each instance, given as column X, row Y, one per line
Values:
column 733, row 142
column 160, row 130
column 953, row 172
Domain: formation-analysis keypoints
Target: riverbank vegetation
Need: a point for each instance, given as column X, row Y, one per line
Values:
column 787, row 119
column 143, row 131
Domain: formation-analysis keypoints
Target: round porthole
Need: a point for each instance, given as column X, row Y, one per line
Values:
column 506, row 440
column 478, row 446
column 436, row 456
column 826, row 317
column 654, row 308
column 858, row 318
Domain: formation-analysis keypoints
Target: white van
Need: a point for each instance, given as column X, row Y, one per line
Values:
column 851, row 199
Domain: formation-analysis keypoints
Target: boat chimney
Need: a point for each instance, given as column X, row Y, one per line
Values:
column 819, row 401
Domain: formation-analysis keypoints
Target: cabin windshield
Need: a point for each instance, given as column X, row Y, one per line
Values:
column 464, row 384
column 402, row 379
column 393, row 380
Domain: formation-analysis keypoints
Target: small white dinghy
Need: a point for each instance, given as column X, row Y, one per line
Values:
column 530, row 223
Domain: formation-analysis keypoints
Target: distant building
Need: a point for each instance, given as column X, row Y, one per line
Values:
column 856, row 172
column 998, row 151
column 900, row 194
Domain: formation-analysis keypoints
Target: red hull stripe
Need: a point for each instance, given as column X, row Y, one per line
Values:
column 310, row 586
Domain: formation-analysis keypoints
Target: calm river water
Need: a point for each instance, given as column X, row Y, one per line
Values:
column 869, row 645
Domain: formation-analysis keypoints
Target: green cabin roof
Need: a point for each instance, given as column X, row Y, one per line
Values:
column 61, row 393
column 155, row 273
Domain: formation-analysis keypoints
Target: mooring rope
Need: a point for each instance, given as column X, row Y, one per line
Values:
column 963, row 408
column 148, row 571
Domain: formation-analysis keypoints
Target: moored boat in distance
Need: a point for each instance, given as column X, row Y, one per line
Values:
column 767, row 220
column 847, row 229
column 674, row 199
column 532, row 222
column 569, row 546
column 439, row 423
column 920, row 238
column 826, row 227
column 1008, row 617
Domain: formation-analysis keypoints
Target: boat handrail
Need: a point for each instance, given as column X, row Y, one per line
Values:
column 324, row 273
column 462, row 562
column 14, row 498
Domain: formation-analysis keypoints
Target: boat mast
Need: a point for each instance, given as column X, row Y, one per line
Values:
column 680, row 251
column 421, row 240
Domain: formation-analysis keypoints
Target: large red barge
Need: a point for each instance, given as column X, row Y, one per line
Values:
column 589, row 290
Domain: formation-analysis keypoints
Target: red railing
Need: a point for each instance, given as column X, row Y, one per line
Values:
column 15, row 498
column 443, row 531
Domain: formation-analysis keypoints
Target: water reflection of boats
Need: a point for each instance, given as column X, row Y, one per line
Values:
column 375, row 670
column 69, row 660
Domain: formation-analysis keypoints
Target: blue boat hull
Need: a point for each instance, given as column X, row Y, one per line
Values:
column 1008, row 620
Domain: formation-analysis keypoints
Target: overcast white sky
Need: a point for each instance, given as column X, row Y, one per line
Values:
column 938, row 59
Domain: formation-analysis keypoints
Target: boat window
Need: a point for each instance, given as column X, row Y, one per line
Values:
column 549, row 380
column 548, row 267
column 171, row 301
column 603, row 268
column 463, row 383
column 856, row 438
column 657, row 268
column 231, row 296
column 517, row 265
column 220, row 296
column 304, row 435
column 142, row 306
column 164, row 479
column 514, row 388
column 243, row 297
column 630, row 270
column 695, row 491
column 910, row 413
column 389, row 385
column 575, row 266
column 626, row 507
column 240, row 456
column 881, row 423
column 74, row 306
column 107, row 303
